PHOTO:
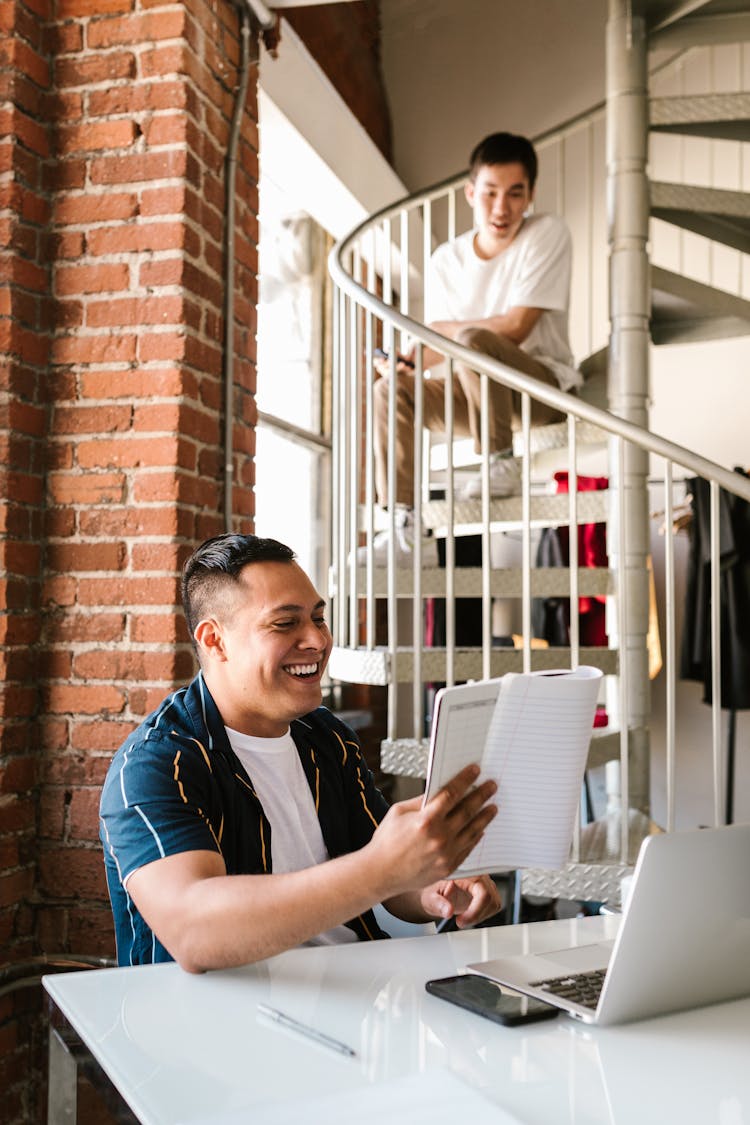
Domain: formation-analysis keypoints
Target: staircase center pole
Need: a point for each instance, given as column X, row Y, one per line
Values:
column 628, row 378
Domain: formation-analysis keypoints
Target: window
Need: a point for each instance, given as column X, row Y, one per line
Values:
column 292, row 447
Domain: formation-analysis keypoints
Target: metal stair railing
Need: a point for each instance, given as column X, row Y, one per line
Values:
column 363, row 316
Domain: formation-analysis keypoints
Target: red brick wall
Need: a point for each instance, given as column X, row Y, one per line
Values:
column 25, row 317
column 111, row 331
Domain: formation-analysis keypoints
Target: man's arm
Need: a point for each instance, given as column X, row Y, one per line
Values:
column 515, row 324
column 207, row 919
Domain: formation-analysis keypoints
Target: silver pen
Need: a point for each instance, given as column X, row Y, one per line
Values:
column 303, row 1029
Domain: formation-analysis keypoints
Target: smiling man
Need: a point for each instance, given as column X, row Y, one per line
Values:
column 501, row 289
column 240, row 819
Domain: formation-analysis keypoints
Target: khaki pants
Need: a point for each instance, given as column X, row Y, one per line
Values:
column 505, row 409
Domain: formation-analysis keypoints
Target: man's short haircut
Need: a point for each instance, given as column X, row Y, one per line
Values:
column 504, row 148
column 212, row 571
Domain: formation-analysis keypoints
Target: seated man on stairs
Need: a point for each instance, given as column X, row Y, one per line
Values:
column 502, row 289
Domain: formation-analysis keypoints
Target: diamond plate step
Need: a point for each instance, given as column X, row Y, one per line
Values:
column 555, row 436
column 379, row 667
column 583, row 882
column 546, row 582
column 707, row 115
column 723, row 216
column 684, row 310
column 408, row 757
column 547, row 510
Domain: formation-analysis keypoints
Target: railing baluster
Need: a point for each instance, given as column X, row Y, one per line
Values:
column 426, row 250
column 484, row 428
column 404, row 262
column 392, row 599
column 355, row 411
column 346, row 532
column 590, row 250
column 526, row 531
column 670, row 645
column 624, row 687
column 417, row 607
column 450, row 540
column 574, row 615
column 452, row 215
column 718, row 771
column 336, row 474
column 369, row 451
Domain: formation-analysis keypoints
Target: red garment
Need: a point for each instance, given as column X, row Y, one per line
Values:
column 592, row 551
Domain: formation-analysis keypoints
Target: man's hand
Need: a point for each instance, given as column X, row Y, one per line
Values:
column 417, row 845
column 404, row 364
column 469, row 901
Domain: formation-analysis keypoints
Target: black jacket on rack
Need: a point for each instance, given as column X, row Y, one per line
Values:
column 734, row 551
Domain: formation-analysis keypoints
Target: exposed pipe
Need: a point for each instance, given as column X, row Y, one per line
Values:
column 248, row 10
column 263, row 17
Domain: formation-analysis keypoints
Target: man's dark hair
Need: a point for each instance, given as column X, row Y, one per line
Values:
column 504, row 148
column 214, row 567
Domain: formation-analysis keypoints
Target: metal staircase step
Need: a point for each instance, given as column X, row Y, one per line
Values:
column 547, row 510
column 546, row 582
column 723, row 216
column 684, row 310
column 408, row 757
column 378, row 666
column 724, row 116
column 555, row 436
column 578, row 882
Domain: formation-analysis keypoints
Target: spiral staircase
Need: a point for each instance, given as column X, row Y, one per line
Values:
column 379, row 613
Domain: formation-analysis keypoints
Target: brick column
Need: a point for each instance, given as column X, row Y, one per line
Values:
column 112, row 405
column 25, row 143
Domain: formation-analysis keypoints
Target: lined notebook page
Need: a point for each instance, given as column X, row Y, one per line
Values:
column 460, row 728
column 535, row 748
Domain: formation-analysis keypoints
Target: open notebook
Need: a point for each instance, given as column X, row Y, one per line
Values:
column 530, row 732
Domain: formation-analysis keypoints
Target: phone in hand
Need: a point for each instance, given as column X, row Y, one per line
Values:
column 486, row 998
column 380, row 354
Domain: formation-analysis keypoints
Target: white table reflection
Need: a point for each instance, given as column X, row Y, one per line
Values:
column 183, row 1048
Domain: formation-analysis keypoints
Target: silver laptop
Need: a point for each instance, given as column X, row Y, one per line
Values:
column 684, row 939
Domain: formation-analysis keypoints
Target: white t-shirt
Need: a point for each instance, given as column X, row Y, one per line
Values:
column 274, row 768
column 533, row 272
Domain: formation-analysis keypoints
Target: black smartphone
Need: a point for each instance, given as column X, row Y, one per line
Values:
column 486, row 998
column 380, row 354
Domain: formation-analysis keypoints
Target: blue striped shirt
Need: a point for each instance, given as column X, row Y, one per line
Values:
column 176, row 786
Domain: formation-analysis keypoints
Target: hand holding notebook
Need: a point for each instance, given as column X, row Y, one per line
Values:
column 530, row 733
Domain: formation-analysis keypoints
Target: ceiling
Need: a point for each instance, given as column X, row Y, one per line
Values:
column 455, row 72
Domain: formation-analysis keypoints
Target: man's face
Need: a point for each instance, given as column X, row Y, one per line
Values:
column 499, row 196
column 266, row 657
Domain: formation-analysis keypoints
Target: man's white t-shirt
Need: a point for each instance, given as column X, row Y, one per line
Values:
column 532, row 272
column 273, row 766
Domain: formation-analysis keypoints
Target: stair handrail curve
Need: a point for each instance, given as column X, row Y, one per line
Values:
column 501, row 373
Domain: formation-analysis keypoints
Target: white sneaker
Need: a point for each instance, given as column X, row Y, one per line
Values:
column 505, row 480
column 404, row 544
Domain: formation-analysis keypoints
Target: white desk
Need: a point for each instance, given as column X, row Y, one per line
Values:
column 183, row 1048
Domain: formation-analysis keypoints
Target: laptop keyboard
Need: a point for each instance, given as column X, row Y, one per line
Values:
column 581, row 988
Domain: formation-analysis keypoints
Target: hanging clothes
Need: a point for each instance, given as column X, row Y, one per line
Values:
column 551, row 616
column 734, row 582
